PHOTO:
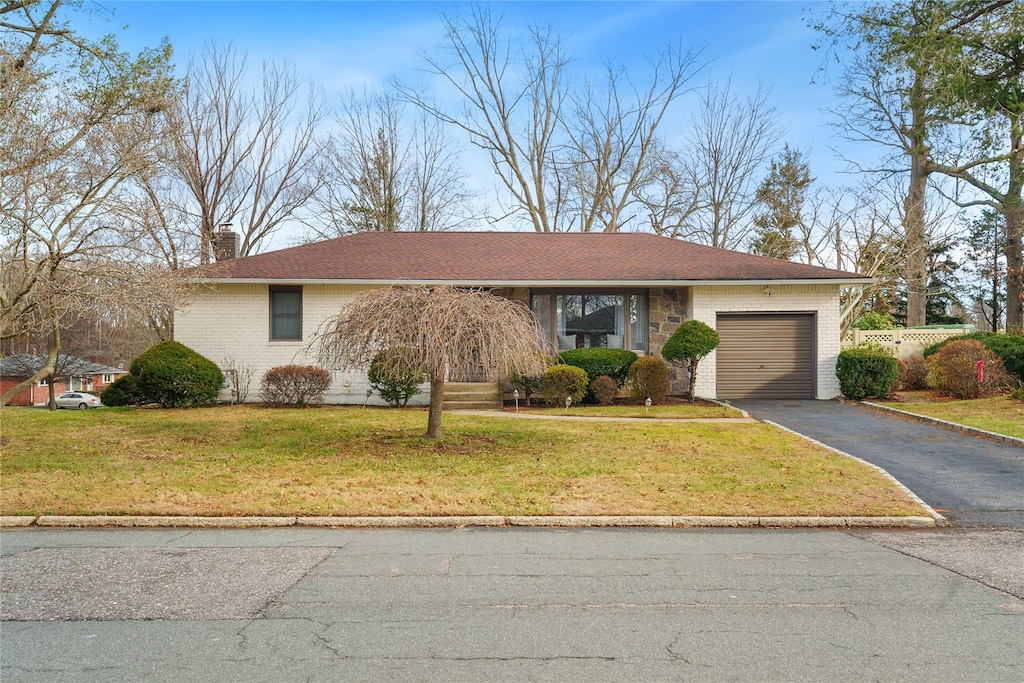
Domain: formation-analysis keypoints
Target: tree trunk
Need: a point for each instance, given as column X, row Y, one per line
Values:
column 436, row 401
column 52, row 392
column 915, row 234
column 1013, row 212
column 1014, row 270
column 693, row 379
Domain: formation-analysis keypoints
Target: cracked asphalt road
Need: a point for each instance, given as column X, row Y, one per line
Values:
column 500, row 604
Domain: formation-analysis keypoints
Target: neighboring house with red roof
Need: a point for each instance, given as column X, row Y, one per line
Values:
column 779, row 321
column 71, row 373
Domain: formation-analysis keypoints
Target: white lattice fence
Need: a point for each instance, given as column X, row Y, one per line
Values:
column 902, row 343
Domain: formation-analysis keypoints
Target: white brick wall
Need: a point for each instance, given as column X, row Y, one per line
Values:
column 234, row 320
column 707, row 302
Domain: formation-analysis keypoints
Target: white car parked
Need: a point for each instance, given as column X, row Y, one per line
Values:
column 78, row 399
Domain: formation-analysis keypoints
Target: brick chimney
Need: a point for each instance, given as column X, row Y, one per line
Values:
column 226, row 243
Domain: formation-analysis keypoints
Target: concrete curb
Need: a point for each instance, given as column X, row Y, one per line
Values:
column 725, row 404
column 963, row 429
column 654, row 521
column 937, row 519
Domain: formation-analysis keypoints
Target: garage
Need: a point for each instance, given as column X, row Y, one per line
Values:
column 766, row 355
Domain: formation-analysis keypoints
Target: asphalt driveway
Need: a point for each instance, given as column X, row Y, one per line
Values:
column 972, row 481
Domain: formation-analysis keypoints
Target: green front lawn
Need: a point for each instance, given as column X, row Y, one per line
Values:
column 1001, row 414
column 354, row 461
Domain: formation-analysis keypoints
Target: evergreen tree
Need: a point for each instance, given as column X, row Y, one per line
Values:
column 781, row 195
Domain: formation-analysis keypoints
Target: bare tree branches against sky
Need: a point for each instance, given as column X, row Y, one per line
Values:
column 340, row 46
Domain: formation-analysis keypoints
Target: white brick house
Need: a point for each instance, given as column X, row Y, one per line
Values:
column 779, row 320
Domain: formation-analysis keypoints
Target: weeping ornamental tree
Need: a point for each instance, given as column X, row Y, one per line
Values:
column 441, row 331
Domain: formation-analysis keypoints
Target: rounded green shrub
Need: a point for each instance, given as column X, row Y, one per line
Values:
column 294, row 386
column 688, row 345
column 392, row 377
column 600, row 361
column 560, row 381
column 649, row 378
column 954, row 370
column 604, row 390
column 865, row 371
column 122, row 392
column 1009, row 348
column 175, row 376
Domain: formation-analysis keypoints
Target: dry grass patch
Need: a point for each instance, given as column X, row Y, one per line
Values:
column 999, row 414
column 352, row 461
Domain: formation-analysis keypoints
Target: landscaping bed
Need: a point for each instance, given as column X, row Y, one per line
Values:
column 671, row 408
column 999, row 414
column 243, row 460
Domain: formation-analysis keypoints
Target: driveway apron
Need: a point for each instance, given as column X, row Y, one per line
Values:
column 973, row 481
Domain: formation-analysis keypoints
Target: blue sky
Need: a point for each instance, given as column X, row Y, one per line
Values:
column 344, row 44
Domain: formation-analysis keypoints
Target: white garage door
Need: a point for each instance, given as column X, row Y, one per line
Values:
column 765, row 355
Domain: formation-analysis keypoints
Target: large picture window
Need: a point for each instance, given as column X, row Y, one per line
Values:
column 286, row 313
column 614, row 320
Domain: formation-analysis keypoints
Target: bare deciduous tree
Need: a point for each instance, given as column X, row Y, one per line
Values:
column 387, row 173
column 730, row 140
column 902, row 84
column 513, row 98
column 79, row 118
column 568, row 159
column 249, row 156
column 441, row 330
column 667, row 194
column 611, row 134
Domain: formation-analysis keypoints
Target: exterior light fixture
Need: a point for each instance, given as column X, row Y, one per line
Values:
column 369, row 393
column 515, row 395
column 647, row 405
column 568, row 402
column 768, row 290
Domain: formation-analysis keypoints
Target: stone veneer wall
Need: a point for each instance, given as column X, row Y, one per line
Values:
column 666, row 310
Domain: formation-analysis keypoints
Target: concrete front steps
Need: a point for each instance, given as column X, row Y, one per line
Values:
column 471, row 396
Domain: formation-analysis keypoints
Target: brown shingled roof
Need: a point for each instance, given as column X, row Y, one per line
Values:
column 509, row 257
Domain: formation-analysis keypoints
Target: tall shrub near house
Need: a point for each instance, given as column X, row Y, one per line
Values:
column 1009, row 348
column 866, row 371
column 649, row 378
column 954, row 370
column 175, row 376
column 688, row 345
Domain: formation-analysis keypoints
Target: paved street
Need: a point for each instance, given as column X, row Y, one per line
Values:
column 503, row 604
column 972, row 481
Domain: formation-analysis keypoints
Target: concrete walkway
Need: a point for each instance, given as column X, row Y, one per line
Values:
column 970, row 480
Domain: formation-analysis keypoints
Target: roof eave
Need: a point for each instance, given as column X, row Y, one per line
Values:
column 844, row 281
